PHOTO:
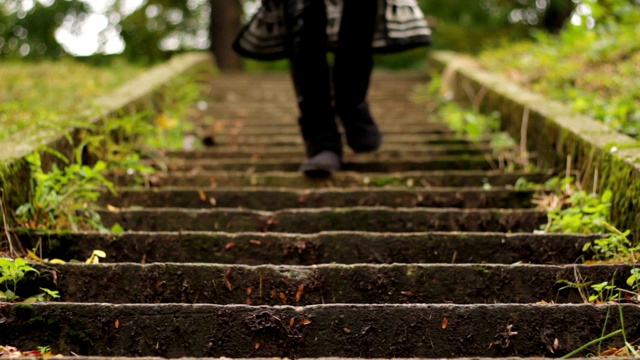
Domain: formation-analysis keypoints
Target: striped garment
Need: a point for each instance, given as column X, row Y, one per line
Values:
column 400, row 26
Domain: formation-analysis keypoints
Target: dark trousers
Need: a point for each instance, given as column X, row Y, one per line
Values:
column 321, row 95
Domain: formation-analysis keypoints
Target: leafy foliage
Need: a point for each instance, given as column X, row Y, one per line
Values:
column 13, row 271
column 593, row 65
column 64, row 198
column 573, row 210
column 30, row 92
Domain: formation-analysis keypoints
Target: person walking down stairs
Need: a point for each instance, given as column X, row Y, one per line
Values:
column 303, row 31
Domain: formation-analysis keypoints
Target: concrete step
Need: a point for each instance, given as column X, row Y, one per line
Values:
column 322, row 284
column 297, row 152
column 321, row 248
column 388, row 331
column 407, row 179
column 360, row 164
column 391, row 139
column 377, row 219
column 274, row 199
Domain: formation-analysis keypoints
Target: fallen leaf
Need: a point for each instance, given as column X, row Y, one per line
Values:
column 255, row 242
column 202, row 195
column 248, row 302
column 305, row 321
column 292, row 321
column 609, row 351
column 213, row 201
column 283, row 298
column 299, row 293
column 346, row 330
column 112, row 208
column 257, row 346
column 117, row 323
column 445, row 322
column 249, row 290
column 230, row 245
column 226, row 280
column 556, row 344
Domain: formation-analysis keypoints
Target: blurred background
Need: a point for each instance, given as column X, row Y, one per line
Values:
column 149, row 31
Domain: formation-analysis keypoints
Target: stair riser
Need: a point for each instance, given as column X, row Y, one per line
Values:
column 274, row 199
column 326, row 248
column 313, row 221
column 373, row 166
column 345, row 179
column 326, row 284
column 344, row 331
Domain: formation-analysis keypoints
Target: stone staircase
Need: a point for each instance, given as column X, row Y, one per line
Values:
column 419, row 250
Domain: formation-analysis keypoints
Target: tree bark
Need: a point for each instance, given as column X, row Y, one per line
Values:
column 225, row 25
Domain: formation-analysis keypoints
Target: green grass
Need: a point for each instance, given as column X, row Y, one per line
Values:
column 34, row 94
column 596, row 72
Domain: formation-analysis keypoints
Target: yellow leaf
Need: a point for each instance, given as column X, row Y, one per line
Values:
column 33, row 256
column 165, row 122
column 100, row 253
column 57, row 261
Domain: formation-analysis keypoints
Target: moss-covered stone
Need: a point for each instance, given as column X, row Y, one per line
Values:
column 554, row 132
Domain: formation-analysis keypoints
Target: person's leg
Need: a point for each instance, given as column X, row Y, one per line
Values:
column 352, row 73
column 306, row 23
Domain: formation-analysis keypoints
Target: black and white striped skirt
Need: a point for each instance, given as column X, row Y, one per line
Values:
column 400, row 26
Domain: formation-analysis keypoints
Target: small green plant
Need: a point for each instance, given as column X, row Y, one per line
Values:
column 11, row 273
column 573, row 210
column 615, row 247
column 64, row 198
column 604, row 292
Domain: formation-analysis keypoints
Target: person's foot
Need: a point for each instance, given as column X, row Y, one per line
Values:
column 362, row 132
column 364, row 137
column 321, row 165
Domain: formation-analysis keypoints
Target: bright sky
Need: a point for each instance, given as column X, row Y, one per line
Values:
column 87, row 41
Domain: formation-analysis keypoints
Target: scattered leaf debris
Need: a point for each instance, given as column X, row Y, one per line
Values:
column 299, row 293
column 226, row 281
column 503, row 339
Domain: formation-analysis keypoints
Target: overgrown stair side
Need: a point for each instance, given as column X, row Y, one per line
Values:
column 423, row 249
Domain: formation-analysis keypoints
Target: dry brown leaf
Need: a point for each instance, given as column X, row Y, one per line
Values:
column 249, row 290
column 226, row 280
column 230, row 245
column 257, row 346
column 445, row 322
column 117, row 324
column 305, row 321
column 202, row 195
column 346, row 330
column 283, row 298
column 299, row 293
column 255, row 242
column 292, row 321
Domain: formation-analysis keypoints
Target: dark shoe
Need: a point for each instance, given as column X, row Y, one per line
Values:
column 321, row 165
column 363, row 134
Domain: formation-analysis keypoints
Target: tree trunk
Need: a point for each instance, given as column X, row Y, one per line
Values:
column 225, row 25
